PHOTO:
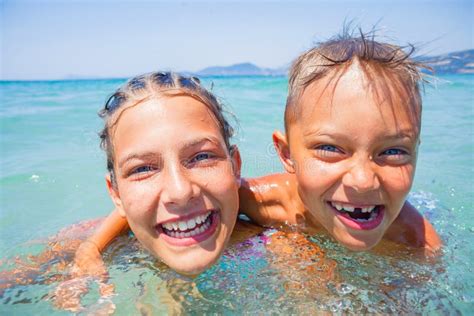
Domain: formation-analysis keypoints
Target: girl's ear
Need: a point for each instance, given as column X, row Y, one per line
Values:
column 236, row 162
column 114, row 195
column 281, row 145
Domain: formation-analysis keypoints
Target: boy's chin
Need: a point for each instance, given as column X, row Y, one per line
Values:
column 358, row 244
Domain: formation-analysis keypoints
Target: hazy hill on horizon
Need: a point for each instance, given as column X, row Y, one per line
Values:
column 461, row 62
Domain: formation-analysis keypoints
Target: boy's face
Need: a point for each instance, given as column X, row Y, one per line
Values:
column 354, row 158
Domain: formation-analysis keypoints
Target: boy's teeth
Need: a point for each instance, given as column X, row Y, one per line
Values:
column 348, row 208
column 373, row 215
column 367, row 209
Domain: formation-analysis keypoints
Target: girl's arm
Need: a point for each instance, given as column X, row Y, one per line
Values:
column 88, row 260
column 413, row 229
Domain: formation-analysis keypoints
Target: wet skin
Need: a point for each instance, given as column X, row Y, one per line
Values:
column 273, row 200
column 172, row 166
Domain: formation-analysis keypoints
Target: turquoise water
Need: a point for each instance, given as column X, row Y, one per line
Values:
column 52, row 175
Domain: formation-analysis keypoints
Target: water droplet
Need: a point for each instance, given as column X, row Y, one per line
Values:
column 345, row 289
column 34, row 178
column 335, row 306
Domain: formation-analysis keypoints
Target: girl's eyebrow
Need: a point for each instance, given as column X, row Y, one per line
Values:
column 201, row 141
column 146, row 155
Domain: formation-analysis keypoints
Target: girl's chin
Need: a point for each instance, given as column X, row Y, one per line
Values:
column 195, row 263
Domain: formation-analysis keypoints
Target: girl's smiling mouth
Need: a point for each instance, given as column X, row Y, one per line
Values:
column 190, row 230
column 358, row 217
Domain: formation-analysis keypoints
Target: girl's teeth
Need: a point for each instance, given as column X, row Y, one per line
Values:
column 183, row 229
column 191, row 224
column 182, row 225
column 198, row 219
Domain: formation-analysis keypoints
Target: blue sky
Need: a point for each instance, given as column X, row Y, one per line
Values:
column 57, row 39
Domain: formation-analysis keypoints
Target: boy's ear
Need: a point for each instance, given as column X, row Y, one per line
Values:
column 236, row 162
column 281, row 145
column 114, row 195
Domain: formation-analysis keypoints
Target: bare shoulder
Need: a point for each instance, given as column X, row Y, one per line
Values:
column 271, row 199
column 413, row 229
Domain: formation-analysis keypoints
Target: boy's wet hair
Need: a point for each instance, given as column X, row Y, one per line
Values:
column 389, row 70
column 143, row 87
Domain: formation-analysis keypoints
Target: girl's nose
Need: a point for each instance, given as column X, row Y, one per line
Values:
column 361, row 177
column 178, row 189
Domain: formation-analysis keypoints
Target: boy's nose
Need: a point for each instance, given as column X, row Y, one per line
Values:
column 361, row 177
column 178, row 189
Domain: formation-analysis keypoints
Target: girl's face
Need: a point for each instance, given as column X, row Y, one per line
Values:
column 177, row 184
column 354, row 158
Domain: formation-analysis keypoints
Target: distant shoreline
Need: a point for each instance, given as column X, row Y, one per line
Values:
column 461, row 62
column 2, row 81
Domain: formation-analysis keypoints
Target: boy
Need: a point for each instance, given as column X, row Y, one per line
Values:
column 352, row 122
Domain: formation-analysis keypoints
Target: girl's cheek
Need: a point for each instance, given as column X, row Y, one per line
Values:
column 138, row 197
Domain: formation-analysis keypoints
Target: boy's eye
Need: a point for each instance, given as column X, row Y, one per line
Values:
column 395, row 156
column 329, row 153
column 201, row 157
column 394, row 151
column 328, row 148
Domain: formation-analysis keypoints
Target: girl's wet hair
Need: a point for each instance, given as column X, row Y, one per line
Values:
column 143, row 87
column 389, row 69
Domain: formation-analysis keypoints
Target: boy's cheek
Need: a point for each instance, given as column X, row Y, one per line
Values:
column 400, row 181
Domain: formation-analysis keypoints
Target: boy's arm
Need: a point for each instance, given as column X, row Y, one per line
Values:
column 88, row 258
column 411, row 228
column 268, row 200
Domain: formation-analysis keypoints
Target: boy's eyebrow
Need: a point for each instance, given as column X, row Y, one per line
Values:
column 153, row 155
column 398, row 135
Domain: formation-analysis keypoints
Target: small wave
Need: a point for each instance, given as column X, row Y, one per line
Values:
column 24, row 111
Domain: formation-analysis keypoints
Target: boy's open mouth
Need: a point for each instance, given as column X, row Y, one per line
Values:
column 366, row 217
column 191, row 227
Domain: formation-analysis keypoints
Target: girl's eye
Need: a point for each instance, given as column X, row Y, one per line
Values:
column 201, row 156
column 142, row 169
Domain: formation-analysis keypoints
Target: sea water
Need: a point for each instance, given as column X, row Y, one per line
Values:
column 52, row 175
